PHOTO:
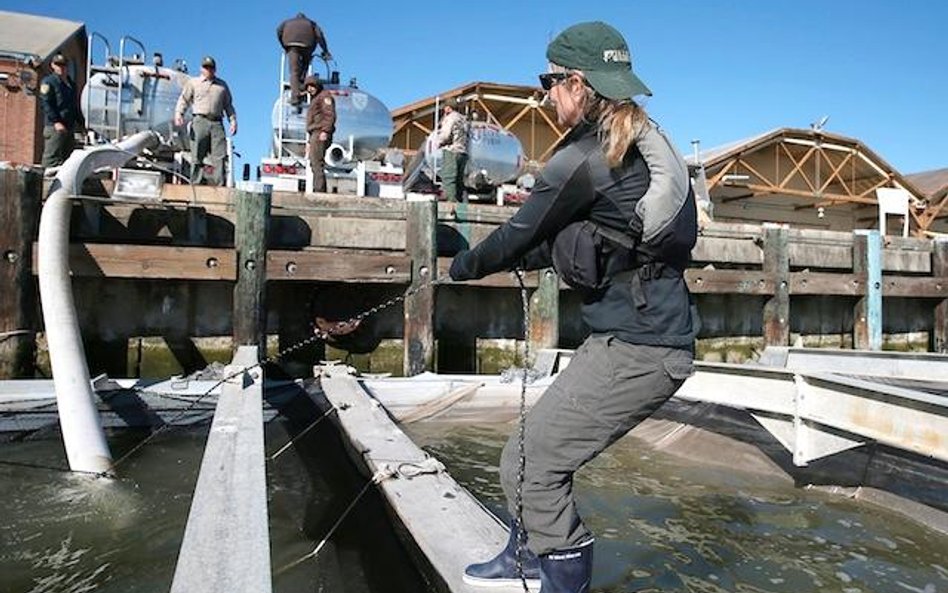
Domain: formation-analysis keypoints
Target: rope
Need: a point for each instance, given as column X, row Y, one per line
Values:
column 16, row 332
column 303, row 432
column 412, row 469
column 384, row 473
column 522, row 461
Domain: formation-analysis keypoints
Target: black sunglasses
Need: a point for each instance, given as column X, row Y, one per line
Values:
column 549, row 80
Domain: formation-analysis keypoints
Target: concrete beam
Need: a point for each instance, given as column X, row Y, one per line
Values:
column 226, row 547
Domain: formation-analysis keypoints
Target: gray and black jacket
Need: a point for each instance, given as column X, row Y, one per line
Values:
column 646, row 300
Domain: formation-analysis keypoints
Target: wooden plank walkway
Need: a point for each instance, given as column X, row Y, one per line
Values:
column 450, row 528
column 226, row 547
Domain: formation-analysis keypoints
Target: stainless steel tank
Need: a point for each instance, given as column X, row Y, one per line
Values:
column 495, row 157
column 363, row 127
column 149, row 95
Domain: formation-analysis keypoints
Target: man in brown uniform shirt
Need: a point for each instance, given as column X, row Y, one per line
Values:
column 210, row 99
column 320, row 125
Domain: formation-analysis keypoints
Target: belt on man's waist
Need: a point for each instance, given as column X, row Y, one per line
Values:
column 206, row 116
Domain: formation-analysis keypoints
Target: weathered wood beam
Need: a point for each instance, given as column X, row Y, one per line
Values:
column 151, row 262
column 338, row 265
column 420, row 305
column 250, row 241
column 940, row 274
column 20, row 203
column 729, row 282
column 776, row 265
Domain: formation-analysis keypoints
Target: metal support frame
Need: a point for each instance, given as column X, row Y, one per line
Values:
column 814, row 415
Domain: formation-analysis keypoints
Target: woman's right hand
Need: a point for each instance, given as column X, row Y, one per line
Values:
column 461, row 267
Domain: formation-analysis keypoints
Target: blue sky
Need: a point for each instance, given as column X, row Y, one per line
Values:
column 720, row 71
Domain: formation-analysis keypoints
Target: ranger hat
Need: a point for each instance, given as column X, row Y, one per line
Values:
column 208, row 62
column 60, row 59
column 601, row 53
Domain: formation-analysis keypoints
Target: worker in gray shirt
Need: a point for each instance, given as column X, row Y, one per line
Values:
column 452, row 137
column 210, row 100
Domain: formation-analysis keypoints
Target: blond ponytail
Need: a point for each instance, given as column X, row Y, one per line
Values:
column 621, row 123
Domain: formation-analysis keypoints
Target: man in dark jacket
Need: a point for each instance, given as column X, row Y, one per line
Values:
column 320, row 125
column 299, row 37
column 60, row 103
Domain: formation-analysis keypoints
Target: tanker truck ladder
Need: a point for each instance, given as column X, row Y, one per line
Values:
column 116, row 67
column 112, row 71
column 285, row 143
column 287, row 167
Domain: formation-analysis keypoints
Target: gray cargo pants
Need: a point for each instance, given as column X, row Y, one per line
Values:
column 608, row 387
column 207, row 135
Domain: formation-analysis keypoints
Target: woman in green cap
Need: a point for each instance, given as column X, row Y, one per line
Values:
column 614, row 213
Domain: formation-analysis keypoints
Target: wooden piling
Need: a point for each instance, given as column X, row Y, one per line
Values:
column 867, row 314
column 545, row 311
column 20, row 203
column 776, row 265
column 940, row 272
column 250, row 241
column 420, row 305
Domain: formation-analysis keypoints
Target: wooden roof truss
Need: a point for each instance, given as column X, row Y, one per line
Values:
column 812, row 170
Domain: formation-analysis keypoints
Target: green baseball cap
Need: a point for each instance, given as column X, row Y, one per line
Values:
column 601, row 53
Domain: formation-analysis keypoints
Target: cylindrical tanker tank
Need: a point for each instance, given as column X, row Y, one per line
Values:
column 495, row 157
column 363, row 127
column 149, row 95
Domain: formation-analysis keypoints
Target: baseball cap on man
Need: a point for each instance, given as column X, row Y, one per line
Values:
column 60, row 59
column 208, row 62
column 600, row 52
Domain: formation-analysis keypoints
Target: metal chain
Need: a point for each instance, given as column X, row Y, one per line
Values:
column 318, row 334
column 522, row 461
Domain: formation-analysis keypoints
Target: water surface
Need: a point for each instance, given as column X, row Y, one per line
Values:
column 667, row 525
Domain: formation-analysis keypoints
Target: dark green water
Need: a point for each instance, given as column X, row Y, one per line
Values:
column 665, row 525
column 61, row 533
column 662, row 524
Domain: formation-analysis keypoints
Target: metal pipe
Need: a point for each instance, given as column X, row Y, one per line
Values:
column 83, row 437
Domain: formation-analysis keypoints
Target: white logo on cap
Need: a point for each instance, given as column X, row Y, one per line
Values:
column 616, row 55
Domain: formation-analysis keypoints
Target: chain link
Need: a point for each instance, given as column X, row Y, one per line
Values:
column 318, row 334
column 522, row 461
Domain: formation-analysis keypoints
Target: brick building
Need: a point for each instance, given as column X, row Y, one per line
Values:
column 27, row 44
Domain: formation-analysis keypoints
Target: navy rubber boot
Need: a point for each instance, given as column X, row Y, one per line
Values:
column 501, row 571
column 567, row 571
